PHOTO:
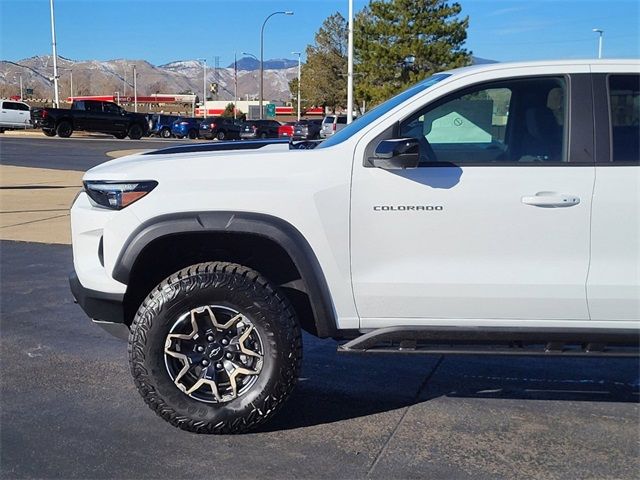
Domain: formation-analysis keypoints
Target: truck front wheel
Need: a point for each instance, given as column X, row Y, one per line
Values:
column 64, row 129
column 49, row 132
column 215, row 348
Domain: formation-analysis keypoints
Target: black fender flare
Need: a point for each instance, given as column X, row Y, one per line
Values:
column 273, row 228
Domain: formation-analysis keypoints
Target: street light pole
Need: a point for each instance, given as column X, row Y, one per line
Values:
column 135, row 89
column 600, row 32
column 55, row 56
column 262, row 58
column 256, row 59
column 235, row 84
column 350, row 66
column 204, row 86
column 299, row 77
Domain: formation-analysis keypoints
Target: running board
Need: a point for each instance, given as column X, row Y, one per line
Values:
column 497, row 341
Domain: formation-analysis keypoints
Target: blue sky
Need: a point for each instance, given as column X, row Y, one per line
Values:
column 162, row 30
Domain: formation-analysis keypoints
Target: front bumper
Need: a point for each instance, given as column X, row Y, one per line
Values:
column 101, row 306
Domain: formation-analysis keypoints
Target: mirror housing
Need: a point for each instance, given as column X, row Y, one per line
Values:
column 396, row 154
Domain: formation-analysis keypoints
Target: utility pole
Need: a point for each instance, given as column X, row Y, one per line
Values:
column 124, row 81
column 299, row 80
column 21, row 97
column 55, row 57
column 135, row 89
column 71, row 86
column 350, row 66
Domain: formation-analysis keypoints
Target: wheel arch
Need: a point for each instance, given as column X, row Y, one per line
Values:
column 66, row 118
column 228, row 236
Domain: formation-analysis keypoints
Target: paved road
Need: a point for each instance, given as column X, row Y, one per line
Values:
column 69, row 153
column 69, row 408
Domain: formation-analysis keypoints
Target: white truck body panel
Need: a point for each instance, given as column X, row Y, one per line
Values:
column 485, row 259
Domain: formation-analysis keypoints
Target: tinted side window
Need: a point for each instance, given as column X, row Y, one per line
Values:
column 508, row 122
column 91, row 106
column 342, row 120
column 22, row 106
column 111, row 108
column 624, row 104
column 9, row 106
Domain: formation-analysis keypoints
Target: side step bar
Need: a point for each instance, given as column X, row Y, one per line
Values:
column 497, row 341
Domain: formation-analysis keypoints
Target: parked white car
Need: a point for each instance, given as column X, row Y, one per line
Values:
column 14, row 115
column 489, row 209
column 332, row 124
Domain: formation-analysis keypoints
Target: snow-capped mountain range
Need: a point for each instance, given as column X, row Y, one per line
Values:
column 92, row 77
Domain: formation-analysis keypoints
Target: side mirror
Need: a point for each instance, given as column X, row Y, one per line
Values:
column 396, row 154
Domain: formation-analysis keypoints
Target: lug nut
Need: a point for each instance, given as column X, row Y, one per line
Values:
column 218, row 366
column 200, row 348
column 210, row 338
column 228, row 355
column 225, row 341
column 205, row 362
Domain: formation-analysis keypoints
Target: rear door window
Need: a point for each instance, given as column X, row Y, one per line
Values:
column 624, row 107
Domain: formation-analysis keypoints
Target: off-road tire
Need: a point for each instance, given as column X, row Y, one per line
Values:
column 221, row 135
column 64, row 129
column 48, row 132
column 135, row 132
column 165, row 133
column 120, row 135
column 244, row 290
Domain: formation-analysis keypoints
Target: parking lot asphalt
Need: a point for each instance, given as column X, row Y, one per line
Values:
column 69, row 408
column 70, row 153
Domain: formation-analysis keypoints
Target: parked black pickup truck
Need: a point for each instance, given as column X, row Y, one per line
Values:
column 91, row 116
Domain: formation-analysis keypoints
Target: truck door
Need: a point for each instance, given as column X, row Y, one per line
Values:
column 494, row 223
column 112, row 119
column 11, row 114
column 613, row 288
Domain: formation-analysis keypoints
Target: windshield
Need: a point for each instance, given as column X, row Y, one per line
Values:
column 380, row 110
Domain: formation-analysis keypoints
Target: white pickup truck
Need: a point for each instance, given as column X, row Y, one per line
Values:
column 490, row 209
column 14, row 115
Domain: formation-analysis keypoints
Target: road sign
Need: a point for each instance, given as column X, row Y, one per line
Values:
column 28, row 91
column 271, row 110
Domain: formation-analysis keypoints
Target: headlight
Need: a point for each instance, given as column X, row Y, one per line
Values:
column 117, row 195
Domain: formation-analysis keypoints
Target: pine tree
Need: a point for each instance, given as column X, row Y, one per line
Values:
column 324, row 81
column 387, row 32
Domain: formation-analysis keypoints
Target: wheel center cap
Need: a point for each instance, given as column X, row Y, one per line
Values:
column 214, row 351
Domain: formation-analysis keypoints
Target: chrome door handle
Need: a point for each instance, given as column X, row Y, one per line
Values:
column 551, row 200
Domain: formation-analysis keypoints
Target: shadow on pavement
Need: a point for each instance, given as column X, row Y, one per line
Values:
column 336, row 387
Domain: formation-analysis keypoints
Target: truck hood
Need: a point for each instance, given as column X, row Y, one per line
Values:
column 149, row 163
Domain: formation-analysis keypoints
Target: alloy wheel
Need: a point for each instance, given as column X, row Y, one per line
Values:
column 213, row 354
